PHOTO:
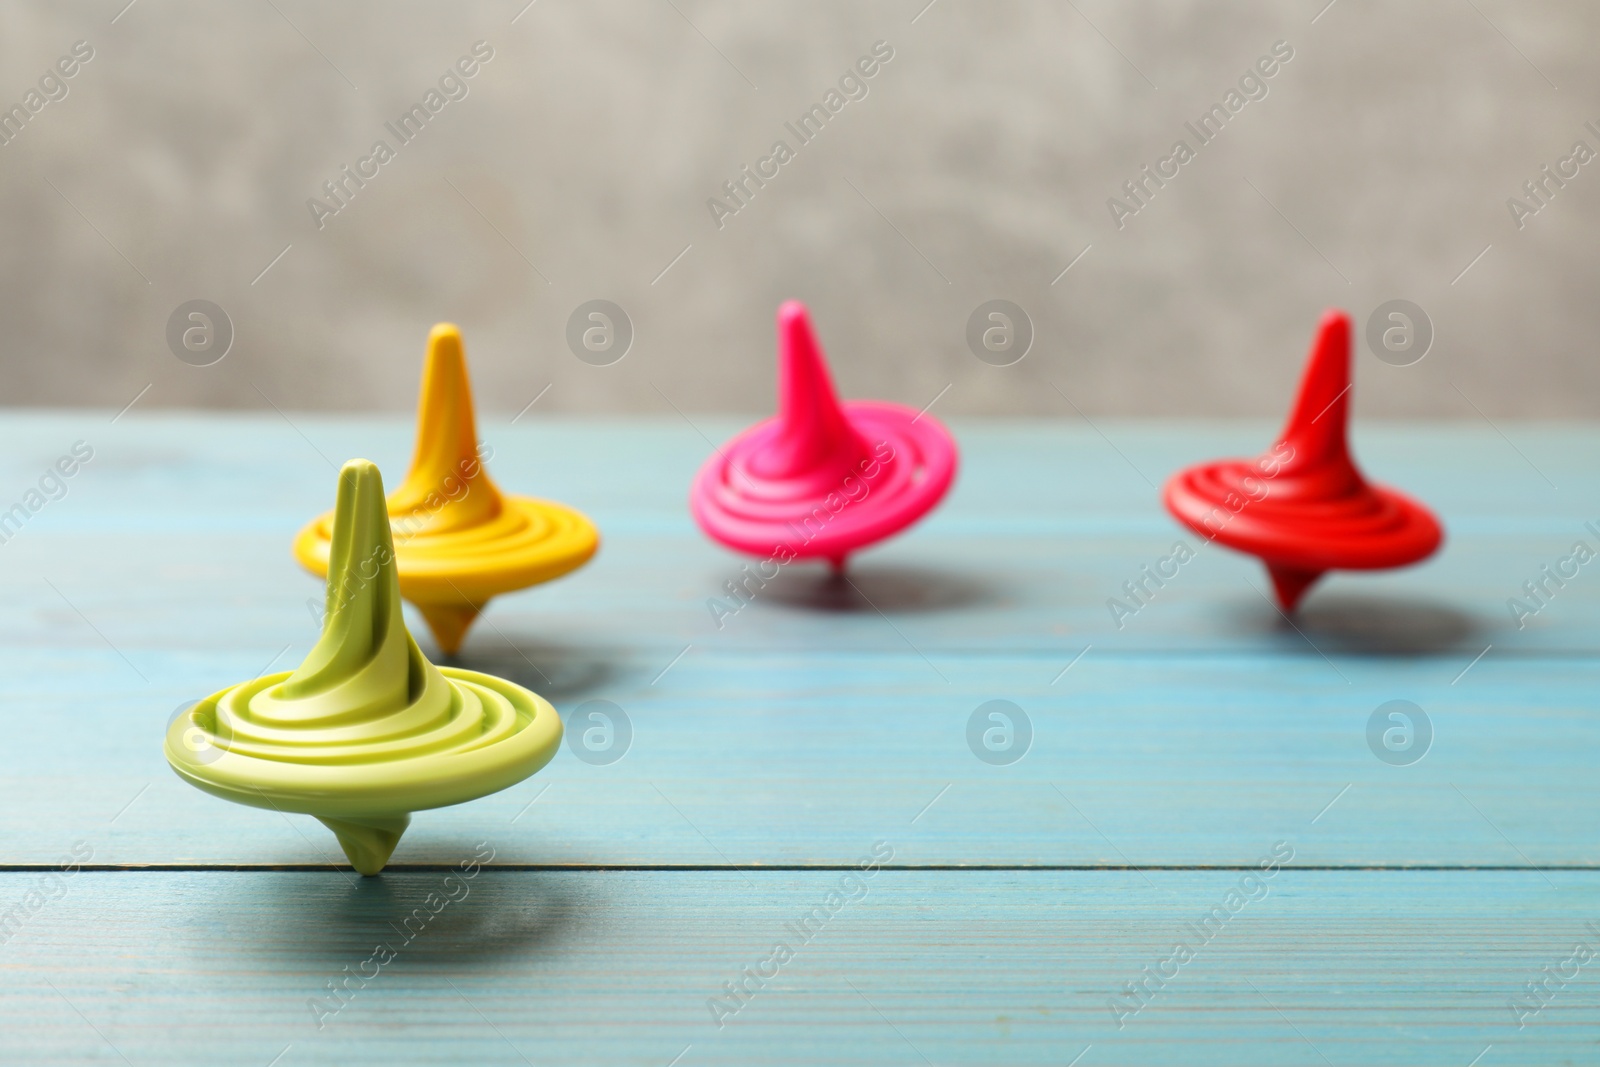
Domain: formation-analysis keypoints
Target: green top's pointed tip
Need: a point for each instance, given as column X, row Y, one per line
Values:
column 359, row 481
column 358, row 467
column 362, row 549
column 361, row 556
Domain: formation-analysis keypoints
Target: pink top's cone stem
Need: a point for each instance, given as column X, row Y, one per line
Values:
column 812, row 426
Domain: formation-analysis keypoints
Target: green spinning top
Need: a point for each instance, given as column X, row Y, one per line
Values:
column 366, row 731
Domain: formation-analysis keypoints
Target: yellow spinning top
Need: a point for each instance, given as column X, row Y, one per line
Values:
column 458, row 540
column 366, row 731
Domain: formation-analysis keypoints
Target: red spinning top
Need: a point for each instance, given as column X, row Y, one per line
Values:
column 1303, row 507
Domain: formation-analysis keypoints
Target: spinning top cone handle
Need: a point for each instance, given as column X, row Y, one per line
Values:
column 1317, row 436
column 812, row 430
column 365, row 731
column 459, row 540
column 821, row 479
column 446, row 452
column 1317, row 432
column 445, row 458
column 1303, row 506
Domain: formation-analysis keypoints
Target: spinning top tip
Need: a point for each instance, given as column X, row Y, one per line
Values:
column 1291, row 583
column 443, row 334
column 449, row 623
column 446, row 394
column 793, row 313
column 367, row 843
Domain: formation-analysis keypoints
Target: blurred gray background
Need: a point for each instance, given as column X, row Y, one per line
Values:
column 1378, row 166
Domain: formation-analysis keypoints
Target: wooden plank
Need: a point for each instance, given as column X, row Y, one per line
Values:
column 817, row 721
column 936, row 967
column 652, row 593
column 1057, row 469
column 164, row 574
column 175, row 537
column 792, row 758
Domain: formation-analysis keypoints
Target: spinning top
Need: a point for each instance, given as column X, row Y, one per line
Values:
column 458, row 540
column 822, row 478
column 366, row 731
column 1302, row 506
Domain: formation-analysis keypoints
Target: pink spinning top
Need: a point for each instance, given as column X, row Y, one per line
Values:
column 821, row 479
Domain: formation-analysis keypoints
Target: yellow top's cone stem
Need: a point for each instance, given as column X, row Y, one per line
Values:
column 447, row 487
column 460, row 540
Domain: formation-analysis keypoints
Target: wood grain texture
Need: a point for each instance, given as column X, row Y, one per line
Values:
column 817, row 720
column 1204, row 724
column 926, row 967
column 173, row 539
column 793, row 758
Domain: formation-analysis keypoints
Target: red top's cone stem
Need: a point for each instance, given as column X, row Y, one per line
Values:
column 812, row 429
column 1318, row 422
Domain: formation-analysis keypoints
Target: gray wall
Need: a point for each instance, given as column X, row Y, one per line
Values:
column 978, row 166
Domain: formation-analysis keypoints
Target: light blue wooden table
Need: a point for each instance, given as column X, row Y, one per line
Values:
column 819, row 724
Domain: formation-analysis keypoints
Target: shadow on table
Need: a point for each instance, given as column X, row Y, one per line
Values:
column 328, row 921
column 556, row 672
column 1364, row 624
column 888, row 587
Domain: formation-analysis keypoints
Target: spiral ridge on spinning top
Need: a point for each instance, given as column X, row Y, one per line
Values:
column 366, row 730
column 459, row 540
column 821, row 479
column 1303, row 506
